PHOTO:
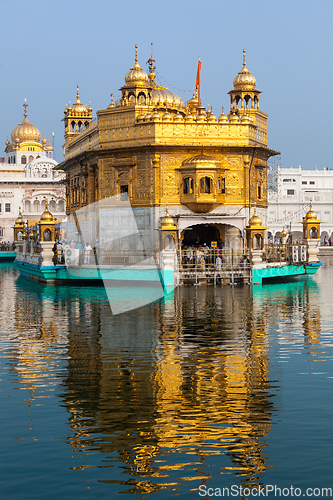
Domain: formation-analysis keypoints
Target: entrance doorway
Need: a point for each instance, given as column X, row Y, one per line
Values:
column 199, row 234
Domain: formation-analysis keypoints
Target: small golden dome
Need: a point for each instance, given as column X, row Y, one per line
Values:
column 156, row 117
column 255, row 221
column 19, row 222
column 7, row 142
column 167, row 117
column 167, row 220
column 245, row 118
column 283, row 233
column 193, row 103
column 244, row 80
column 233, row 118
column 223, row 117
column 78, row 106
column 178, row 117
column 311, row 215
column 46, row 216
column 25, row 131
column 210, row 116
column 136, row 75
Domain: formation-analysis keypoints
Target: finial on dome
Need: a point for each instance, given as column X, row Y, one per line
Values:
column 244, row 58
column 25, row 105
column 77, row 92
column 136, row 54
column 151, row 61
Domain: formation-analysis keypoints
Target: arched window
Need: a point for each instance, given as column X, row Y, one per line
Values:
column 30, row 158
column 27, row 206
column 257, row 242
column 23, row 160
column 141, row 98
column 169, row 242
column 313, row 233
column 36, row 206
column 47, row 235
column 205, row 185
column 61, row 206
column 188, row 185
column 52, row 206
column 13, row 159
column 8, row 159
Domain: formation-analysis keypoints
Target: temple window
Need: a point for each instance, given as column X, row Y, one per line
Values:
column 205, row 185
column 313, row 233
column 257, row 242
column 30, row 158
column 221, row 185
column 7, row 207
column 23, row 160
column 259, row 191
column 141, row 98
column 188, row 185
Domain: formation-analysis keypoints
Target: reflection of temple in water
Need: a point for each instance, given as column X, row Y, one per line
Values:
column 202, row 387
column 190, row 376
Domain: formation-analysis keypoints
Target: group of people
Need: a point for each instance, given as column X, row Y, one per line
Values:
column 328, row 241
column 6, row 246
column 85, row 252
column 201, row 257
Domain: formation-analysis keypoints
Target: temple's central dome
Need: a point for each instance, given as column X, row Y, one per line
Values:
column 25, row 131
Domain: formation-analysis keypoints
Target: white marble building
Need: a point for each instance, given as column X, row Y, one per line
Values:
column 28, row 178
column 289, row 193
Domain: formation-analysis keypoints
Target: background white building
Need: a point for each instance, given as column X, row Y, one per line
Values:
column 28, row 178
column 289, row 193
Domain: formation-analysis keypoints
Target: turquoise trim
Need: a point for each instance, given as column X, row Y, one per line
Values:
column 7, row 255
column 127, row 275
column 288, row 271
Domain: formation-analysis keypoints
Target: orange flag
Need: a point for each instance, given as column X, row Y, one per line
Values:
column 198, row 81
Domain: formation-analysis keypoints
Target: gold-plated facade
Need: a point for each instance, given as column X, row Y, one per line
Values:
column 158, row 149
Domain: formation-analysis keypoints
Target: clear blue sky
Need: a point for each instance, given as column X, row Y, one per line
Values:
column 50, row 47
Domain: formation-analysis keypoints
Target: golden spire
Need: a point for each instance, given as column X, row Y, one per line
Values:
column 243, row 58
column 136, row 54
column 77, row 94
column 151, row 60
column 25, row 105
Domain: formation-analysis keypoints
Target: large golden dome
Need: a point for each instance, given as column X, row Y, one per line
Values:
column 25, row 131
column 244, row 80
column 165, row 98
column 136, row 75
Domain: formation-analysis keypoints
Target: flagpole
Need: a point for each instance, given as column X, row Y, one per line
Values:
column 198, row 81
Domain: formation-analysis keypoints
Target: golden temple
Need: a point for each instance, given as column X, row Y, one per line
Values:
column 156, row 149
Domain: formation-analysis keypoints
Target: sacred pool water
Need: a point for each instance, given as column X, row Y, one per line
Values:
column 206, row 392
